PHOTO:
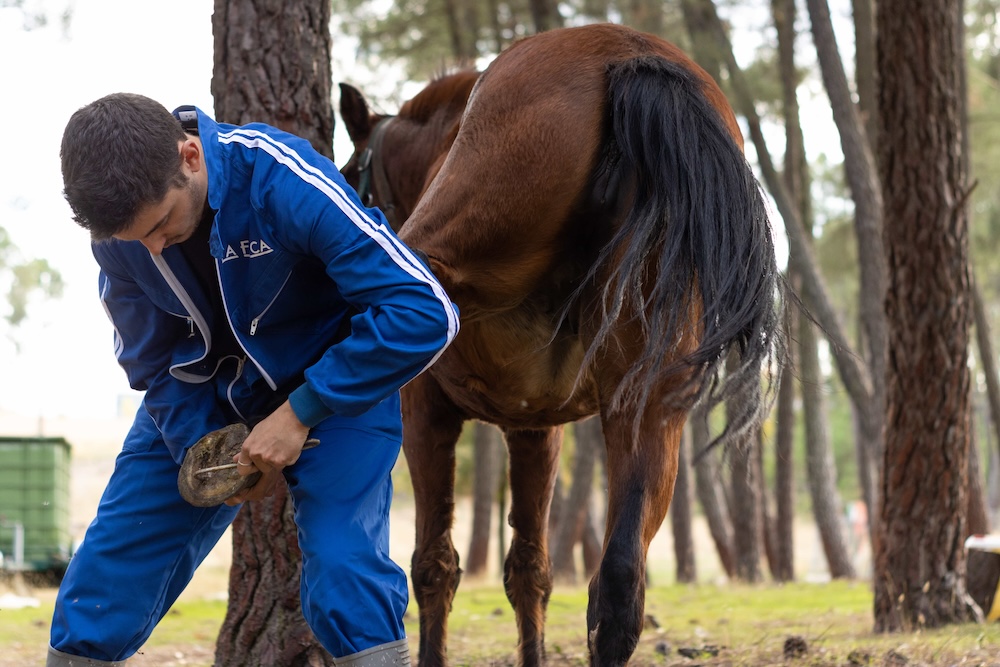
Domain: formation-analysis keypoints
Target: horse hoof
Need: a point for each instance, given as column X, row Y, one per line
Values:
column 218, row 448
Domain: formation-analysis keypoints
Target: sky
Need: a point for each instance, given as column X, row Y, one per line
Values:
column 60, row 362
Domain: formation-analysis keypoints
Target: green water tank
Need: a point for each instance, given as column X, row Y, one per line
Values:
column 34, row 503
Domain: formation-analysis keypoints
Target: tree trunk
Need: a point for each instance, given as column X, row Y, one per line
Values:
column 920, row 556
column 768, row 534
column 866, row 191
column 646, row 15
column 864, row 66
column 545, row 15
column 488, row 455
column 978, row 522
column 680, row 516
column 708, row 489
column 746, row 501
column 589, row 438
column 264, row 623
column 796, row 177
column 784, row 565
column 272, row 64
column 746, row 517
column 986, row 358
column 827, row 506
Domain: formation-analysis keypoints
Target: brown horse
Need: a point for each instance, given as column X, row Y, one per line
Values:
column 586, row 203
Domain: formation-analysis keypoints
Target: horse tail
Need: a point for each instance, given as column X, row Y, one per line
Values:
column 696, row 220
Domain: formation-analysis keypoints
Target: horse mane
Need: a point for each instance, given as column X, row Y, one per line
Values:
column 444, row 91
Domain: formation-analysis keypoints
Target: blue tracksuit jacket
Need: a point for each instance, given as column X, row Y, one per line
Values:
column 295, row 251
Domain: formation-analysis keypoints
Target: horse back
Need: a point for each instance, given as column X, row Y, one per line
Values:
column 521, row 191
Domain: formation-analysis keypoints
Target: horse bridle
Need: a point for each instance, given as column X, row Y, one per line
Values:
column 371, row 168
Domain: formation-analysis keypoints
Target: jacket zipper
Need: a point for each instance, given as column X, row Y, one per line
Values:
column 256, row 320
column 225, row 306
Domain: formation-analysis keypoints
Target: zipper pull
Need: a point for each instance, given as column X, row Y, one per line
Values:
column 253, row 326
column 190, row 327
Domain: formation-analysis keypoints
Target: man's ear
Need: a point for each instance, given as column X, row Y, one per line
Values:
column 191, row 154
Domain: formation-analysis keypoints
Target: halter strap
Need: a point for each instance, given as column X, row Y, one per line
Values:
column 371, row 168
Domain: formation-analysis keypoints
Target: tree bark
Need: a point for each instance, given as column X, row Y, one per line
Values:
column 272, row 64
column 796, row 180
column 746, row 507
column 864, row 66
column 862, row 176
column 488, row 464
column 264, row 623
column 978, row 522
column 784, row 565
column 709, row 491
column 826, row 503
column 920, row 556
column 545, row 14
column 589, row 438
column 986, row 358
column 746, row 519
column 646, row 15
column 680, row 517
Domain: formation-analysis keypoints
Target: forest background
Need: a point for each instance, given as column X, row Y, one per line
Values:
column 415, row 41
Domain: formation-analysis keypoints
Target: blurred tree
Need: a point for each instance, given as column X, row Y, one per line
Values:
column 24, row 278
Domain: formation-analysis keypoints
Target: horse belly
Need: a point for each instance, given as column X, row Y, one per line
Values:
column 500, row 371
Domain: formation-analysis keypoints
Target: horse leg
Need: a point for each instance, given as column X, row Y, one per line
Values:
column 641, row 478
column 431, row 427
column 534, row 462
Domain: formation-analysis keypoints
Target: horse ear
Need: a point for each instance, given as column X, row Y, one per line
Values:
column 354, row 111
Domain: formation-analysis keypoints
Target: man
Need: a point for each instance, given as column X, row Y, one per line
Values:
column 246, row 283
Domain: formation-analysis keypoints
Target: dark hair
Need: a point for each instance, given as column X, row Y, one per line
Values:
column 118, row 155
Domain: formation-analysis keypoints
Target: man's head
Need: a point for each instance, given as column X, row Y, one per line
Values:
column 127, row 172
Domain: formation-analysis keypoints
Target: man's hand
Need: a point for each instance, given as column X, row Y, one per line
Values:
column 276, row 442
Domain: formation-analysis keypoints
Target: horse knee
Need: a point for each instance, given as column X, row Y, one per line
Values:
column 527, row 575
column 435, row 574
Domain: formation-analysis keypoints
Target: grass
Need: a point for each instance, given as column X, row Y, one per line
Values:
column 749, row 625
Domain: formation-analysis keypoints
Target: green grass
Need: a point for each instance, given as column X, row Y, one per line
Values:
column 749, row 625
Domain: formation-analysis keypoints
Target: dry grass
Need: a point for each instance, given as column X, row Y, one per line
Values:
column 735, row 625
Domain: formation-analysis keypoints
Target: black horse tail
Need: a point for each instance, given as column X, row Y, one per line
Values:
column 697, row 220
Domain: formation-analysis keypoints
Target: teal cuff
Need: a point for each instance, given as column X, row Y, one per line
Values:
column 308, row 407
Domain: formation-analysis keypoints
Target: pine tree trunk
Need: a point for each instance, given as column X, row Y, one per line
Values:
column 709, row 491
column 589, row 439
column 745, row 508
column 488, row 461
column 987, row 359
column 784, row 566
column 680, row 516
column 796, row 178
column 272, row 64
column 264, row 623
column 920, row 556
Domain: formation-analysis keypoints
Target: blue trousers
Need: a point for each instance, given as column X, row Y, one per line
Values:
column 146, row 541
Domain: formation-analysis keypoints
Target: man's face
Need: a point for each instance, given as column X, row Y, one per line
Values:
column 174, row 218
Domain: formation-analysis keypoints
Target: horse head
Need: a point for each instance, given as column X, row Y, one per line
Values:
column 417, row 138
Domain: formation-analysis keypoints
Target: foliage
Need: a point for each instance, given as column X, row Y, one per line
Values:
column 25, row 278
column 35, row 15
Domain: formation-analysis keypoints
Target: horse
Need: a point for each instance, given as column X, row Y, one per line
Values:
column 586, row 203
